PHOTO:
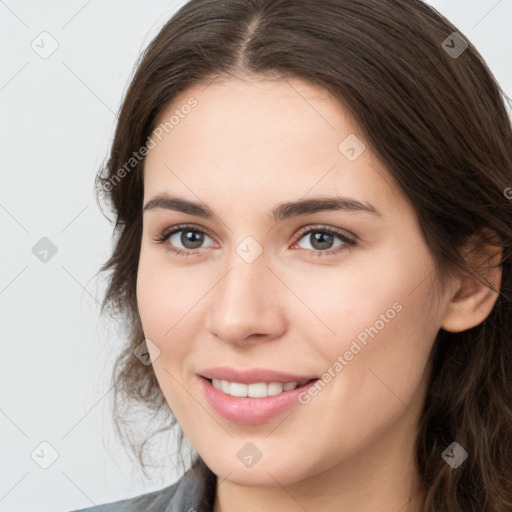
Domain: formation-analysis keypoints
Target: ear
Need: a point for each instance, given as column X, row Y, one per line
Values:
column 474, row 297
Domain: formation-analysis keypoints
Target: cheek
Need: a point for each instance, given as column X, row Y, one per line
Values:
column 374, row 331
column 170, row 308
column 164, row 295
column 166, row 310
column 149, row 298
column 374, row 368
column 384, row 355
column 351, row 306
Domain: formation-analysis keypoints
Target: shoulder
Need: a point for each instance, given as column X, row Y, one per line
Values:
column 156, row 501
column 193, row 492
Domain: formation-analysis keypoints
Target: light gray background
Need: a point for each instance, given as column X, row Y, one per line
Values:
column 58, row 116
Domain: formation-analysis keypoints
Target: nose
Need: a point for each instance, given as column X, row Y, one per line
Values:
column 245, row 303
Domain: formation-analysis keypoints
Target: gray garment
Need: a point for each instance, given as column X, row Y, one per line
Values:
column 193, row 492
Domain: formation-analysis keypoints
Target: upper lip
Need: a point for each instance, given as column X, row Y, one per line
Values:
column 253, row 375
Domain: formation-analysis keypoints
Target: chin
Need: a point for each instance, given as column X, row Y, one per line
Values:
column 270, row 473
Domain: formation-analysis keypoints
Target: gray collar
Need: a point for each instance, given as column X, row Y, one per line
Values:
column 195, row 491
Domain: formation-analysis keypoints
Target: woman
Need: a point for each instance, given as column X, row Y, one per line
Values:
column 313, row 258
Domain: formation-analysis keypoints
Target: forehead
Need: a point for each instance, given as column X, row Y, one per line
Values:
column 255, row 114
column 259, row 138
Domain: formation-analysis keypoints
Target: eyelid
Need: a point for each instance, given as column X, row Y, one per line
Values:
column 348, row 238
column 300, row 232
column 182, row 227
column 344, row 234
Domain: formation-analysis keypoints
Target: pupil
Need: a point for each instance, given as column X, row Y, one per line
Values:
column 320, row 242
column 193, row 237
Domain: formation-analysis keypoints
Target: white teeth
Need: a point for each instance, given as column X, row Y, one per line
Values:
column 274, row 388
column 256, row 390
column 224, row 385
column 237, row 389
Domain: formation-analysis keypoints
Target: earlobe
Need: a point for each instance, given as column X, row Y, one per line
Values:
column 474, row 299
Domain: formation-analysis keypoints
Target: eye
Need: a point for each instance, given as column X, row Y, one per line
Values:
column 190, row 237
column 322, row 240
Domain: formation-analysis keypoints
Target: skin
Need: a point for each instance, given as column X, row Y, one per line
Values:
column 249, row 145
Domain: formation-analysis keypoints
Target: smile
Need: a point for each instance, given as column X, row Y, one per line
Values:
column 256, row 390
column 273, row 399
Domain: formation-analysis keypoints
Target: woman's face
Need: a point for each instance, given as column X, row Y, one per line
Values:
column 311, row 268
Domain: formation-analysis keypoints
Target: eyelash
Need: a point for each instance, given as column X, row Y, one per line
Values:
column 348, row 243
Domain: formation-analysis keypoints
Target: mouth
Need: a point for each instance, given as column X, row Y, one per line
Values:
column 256, row 389
column 253, row 403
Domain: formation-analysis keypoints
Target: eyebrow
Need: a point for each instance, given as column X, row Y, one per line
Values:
column 281, row 212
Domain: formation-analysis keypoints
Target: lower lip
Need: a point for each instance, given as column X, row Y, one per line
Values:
column 251, row 411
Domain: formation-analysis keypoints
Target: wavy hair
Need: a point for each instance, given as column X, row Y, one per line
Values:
column 433, row 113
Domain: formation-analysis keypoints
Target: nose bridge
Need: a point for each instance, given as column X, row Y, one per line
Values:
column 240, row 304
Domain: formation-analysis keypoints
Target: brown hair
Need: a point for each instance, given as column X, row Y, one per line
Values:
column 435, row 118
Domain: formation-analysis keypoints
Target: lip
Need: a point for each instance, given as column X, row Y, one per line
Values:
column 253, row 375
column 251, row 411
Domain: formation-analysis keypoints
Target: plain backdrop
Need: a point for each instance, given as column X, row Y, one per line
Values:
column 58, row 114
